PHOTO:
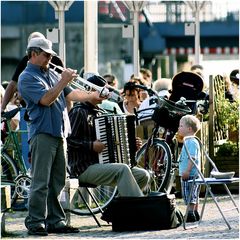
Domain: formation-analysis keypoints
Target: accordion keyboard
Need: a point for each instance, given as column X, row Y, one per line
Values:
column 112, row 130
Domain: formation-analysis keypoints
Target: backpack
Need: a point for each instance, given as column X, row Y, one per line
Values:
column 153, row 212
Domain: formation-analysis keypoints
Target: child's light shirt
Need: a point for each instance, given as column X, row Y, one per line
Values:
column 194, row 150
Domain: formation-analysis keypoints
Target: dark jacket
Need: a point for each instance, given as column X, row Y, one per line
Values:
column 80, row 142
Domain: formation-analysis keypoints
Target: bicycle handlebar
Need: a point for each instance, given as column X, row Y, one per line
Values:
column 180, row 104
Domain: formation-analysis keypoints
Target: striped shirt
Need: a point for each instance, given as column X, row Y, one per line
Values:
column 80, row 142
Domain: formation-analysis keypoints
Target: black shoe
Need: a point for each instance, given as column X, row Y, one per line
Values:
column 107, row 214
column 197, row 216
column 191, row 217
column 27, row 221
column 63, row 229
column 38, row 230
column 107, row 218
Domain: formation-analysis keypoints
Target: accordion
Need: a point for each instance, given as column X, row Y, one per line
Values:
column 117, row 132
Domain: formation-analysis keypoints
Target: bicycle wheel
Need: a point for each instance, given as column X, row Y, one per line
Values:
column 158, row 161
column 9, row 172
column 102, row 194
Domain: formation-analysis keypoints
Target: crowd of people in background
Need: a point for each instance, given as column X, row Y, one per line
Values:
column 133, row 98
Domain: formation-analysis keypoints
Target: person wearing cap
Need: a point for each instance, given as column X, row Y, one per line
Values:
column 45, row 92
column 11, row 91
column 12, row 86
column 84, row 147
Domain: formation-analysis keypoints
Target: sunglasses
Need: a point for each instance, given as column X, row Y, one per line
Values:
column 47, row 55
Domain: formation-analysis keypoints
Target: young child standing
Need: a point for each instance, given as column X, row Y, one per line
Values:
column 188, row 126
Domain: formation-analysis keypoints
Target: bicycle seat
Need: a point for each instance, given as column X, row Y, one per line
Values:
column 88, row 185
column 81, row 184
column 10, row 114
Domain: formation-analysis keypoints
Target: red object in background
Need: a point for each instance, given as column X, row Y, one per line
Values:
column 103, row 7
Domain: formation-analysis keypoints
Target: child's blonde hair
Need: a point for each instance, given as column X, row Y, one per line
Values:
column 192, row 121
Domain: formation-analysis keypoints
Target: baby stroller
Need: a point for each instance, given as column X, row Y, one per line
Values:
column 188, row 85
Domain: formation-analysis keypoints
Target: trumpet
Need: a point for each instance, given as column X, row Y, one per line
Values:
column 83, row 84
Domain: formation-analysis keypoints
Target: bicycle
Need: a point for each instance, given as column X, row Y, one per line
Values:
column 159, row 154
column 13, row 168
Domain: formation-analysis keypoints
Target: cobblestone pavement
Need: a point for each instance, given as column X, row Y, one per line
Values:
column 211, row 227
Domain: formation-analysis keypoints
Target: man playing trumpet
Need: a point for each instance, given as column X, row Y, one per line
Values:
column 45, row 93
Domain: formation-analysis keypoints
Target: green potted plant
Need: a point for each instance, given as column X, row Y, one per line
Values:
column 228, row 149
column 227, row 155
column 229, row 117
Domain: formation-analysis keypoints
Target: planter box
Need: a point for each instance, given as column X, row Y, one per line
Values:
column 227, row 164
column 233, row 136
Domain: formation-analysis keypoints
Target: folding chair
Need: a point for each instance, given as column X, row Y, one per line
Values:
column 74, row 192
column 88, row 187
column 207, row 182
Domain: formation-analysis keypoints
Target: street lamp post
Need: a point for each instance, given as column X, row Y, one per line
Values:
column 136, row 43
column 60, row 7
column 197, row 34
column 135, row 7
column 90, row 36
column 196, row 6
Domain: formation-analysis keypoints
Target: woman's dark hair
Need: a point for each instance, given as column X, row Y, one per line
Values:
column 130, row 86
